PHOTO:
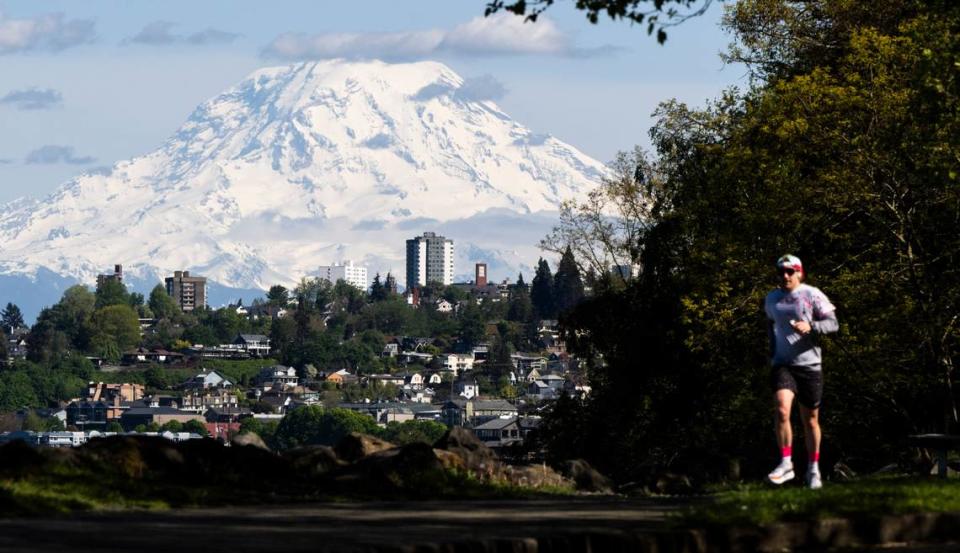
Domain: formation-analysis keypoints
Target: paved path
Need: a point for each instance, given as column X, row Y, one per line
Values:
column 348, row 527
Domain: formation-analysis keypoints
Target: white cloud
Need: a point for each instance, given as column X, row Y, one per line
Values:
column 48, row 32
column 33, row 98
column 159, row 33
column 52, row 154
column 497, row 35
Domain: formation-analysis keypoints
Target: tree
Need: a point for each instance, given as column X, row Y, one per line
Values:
column 841, row 151
column 541, row 292
column 567, row 285
column 278, row 295
column 378, row 292
column 11, row 317
column 161, row 304
column 117, row 328
column 313, row 424
column 636, row 11
column 412, row 431
column 111, row 292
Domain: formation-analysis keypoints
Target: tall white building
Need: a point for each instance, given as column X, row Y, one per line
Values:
column 429, row 259
column 346, row 271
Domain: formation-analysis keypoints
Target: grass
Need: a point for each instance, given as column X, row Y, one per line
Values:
column 759, row 504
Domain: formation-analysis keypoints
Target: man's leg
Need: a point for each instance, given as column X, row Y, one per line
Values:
column 811, row 436
column 783, row 401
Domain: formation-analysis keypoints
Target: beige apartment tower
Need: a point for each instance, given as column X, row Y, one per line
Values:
column 190, row 292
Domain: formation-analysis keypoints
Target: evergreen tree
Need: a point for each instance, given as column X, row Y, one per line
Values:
column 521, row 285
column 378, row 292
column 541, row 292
column 11, row 317
column 567, row 284
column 278, row 295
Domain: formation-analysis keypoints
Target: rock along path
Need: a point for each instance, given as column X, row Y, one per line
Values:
column 569, row 525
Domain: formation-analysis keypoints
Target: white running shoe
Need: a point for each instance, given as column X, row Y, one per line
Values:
column 783, row 473
column 814, row 482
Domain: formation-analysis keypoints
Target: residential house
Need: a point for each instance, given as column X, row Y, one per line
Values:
column 87, row 414
column 205, row 380
column 386, row 411
column 539, row 389
column 444, row 306
column 555, row 382
column 472, row 412
column 499, row 432
column 390, row 350
column 255, row 345
column 435, row 379
column 136, row 416
column 144, row 355
column 125, row 391
column 199, row 401
column 381, row 379
column 457, row 362
column 526, row 362
column 342, row 377
column 414, row 381
column 466, row 388
column 277, row 377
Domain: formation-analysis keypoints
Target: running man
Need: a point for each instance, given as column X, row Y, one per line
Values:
column 797, row 315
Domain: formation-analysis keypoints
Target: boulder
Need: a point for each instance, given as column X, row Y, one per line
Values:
column 670, row 483
column 586, row 478
column 355, row 446
column 535, row 476
column 249, row 439
column 312, row 460
column 476, row 456
column 413, row 470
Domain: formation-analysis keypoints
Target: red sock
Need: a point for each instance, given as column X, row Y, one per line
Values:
column 815, row 457
column 786, row 451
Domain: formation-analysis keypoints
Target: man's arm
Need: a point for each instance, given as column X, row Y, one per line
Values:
column 828, row 324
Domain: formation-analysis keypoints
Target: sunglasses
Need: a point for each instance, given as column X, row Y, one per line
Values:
column 786, row 270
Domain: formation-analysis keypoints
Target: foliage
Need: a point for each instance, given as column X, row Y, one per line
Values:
column 636, row 11
column 111, row 292
column 567, row 284
column 313, row 424
column 843, row 152
column 11, row 316
column 161, row 304
column 541, row 292
column 407, row 432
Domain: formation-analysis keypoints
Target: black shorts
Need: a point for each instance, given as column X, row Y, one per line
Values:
column 805, row 383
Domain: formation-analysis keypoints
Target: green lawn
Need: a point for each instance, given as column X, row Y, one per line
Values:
column 755, row 504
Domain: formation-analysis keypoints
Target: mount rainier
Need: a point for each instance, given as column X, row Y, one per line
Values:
column 296, row 167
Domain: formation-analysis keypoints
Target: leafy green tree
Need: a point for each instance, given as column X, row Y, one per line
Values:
column 111, row 292
column 313, row 424
column 16, row 391
column 161, row 304
column 116, row 325
column 11, row 317
column 472, row 327
column 843, row 152
column 172, row 426
column 412, row 431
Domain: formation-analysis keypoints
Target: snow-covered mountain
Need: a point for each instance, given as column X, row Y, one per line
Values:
column 300, row 166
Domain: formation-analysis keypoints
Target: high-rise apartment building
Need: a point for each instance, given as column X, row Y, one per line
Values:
column 429, row 259
column 355, row 275
column 190, row 292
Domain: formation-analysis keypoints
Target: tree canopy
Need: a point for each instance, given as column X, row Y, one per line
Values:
column 843, row 150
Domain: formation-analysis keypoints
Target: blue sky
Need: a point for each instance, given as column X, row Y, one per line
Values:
column 86, row 84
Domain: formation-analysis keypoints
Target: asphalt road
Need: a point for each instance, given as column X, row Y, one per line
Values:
column 347, row 527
